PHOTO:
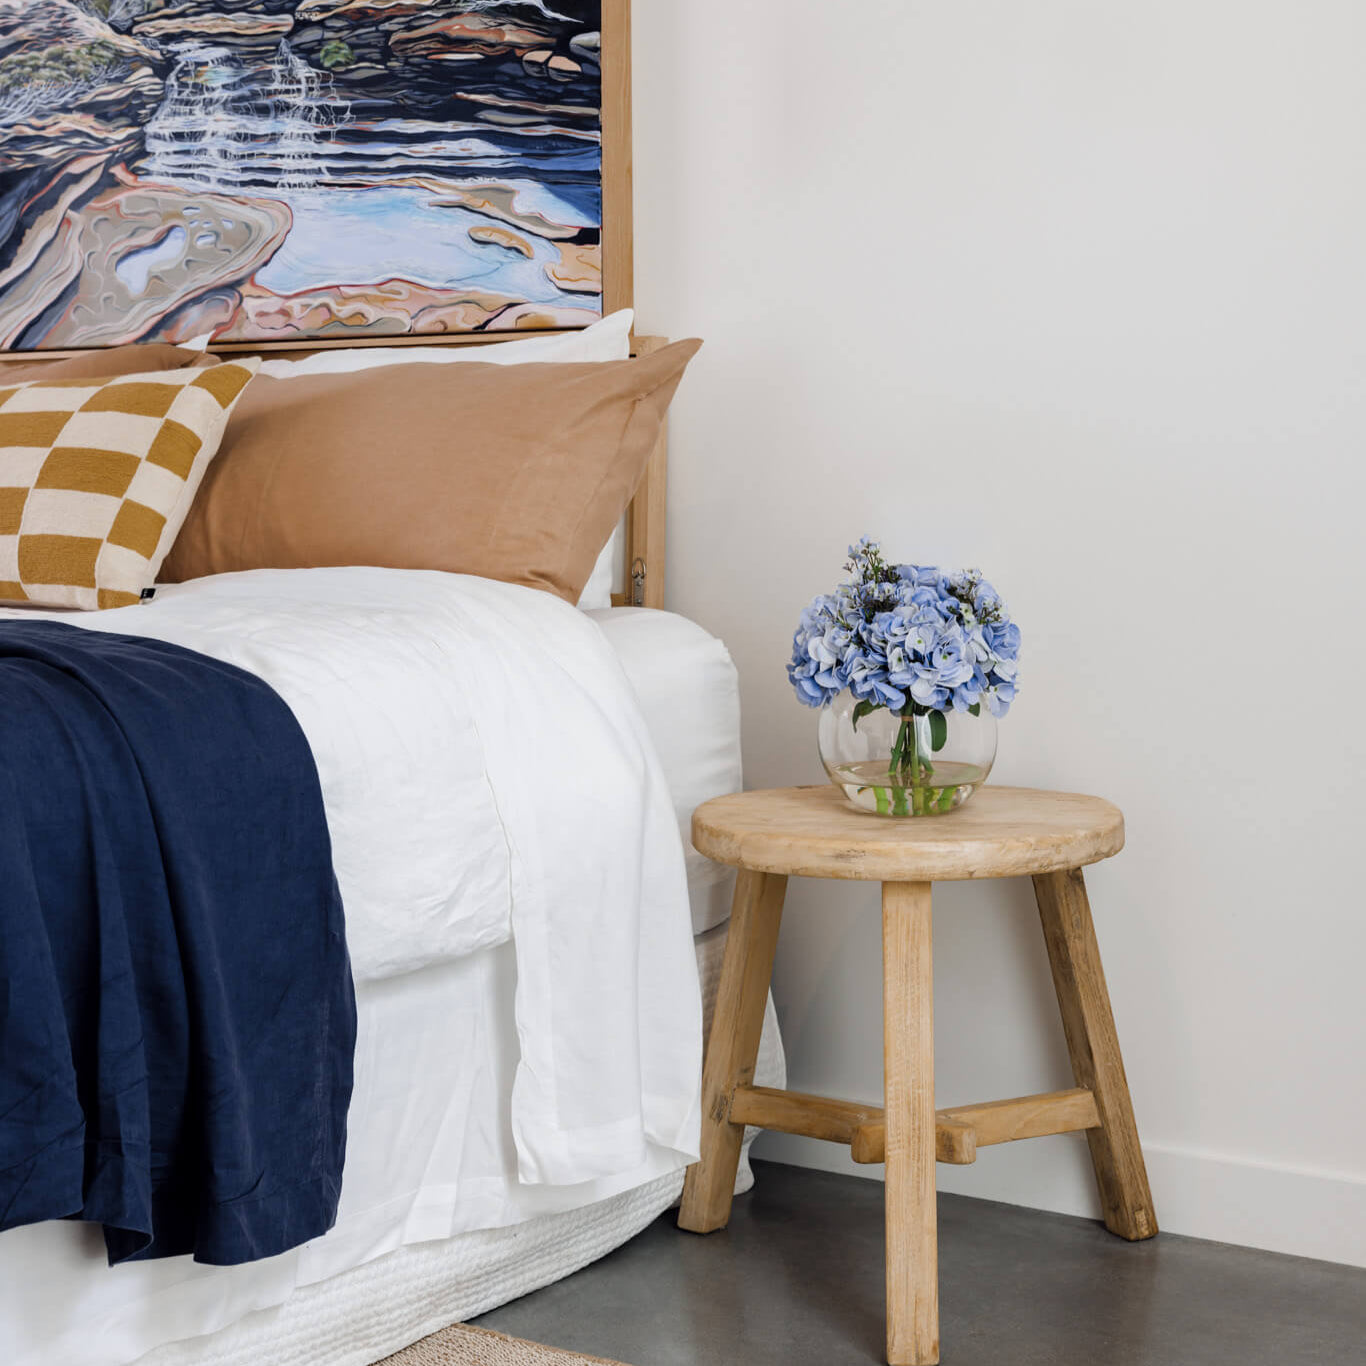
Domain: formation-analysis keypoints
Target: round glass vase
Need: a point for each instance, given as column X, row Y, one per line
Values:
column 905, row 765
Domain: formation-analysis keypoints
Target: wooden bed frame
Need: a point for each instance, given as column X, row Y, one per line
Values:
column 645, row 518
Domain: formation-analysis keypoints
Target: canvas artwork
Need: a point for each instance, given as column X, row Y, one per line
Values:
column 279, row 170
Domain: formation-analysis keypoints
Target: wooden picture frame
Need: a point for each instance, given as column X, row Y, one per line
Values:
column 617, row 227
column 618, row 181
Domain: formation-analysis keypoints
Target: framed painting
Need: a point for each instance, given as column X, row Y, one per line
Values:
column 282, row 174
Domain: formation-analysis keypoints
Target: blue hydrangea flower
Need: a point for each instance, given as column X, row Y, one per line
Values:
column 907, row 637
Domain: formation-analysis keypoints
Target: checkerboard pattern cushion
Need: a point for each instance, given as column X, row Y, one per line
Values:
column 97, row 477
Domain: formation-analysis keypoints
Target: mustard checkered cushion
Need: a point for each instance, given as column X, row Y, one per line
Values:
column 97, row 476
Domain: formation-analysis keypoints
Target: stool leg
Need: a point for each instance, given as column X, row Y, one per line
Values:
column 1089, row 1025
column 908, row 1068
column 733, row 1046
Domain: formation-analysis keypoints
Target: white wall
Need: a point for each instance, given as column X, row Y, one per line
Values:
column 1074, row 291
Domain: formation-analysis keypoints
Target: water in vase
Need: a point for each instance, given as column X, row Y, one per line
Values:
column 869, row 786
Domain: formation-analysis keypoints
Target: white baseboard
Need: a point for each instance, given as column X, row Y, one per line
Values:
column 1204, row 1195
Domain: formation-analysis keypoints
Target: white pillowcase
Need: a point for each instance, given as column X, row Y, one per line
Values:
column 609, row 339
column 597, row 592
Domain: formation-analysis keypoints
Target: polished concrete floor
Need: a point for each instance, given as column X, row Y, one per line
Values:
column 796, row 1280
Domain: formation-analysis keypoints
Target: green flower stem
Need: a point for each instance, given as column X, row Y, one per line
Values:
column 910, row 774
column 917, row 791
column 898, row 753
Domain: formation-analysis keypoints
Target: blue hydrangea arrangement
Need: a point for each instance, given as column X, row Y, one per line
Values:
column 918, row 641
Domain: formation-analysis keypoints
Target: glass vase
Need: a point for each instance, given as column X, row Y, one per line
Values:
column 905, row 765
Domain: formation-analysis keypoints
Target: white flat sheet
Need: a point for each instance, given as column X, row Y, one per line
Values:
column 487, row 773
column 689, row 694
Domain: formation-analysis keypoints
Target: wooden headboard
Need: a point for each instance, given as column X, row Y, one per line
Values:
column 646, row 518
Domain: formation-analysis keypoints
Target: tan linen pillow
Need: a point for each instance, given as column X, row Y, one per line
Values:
column 512, row 472
column 96, row 477
column 141, row 359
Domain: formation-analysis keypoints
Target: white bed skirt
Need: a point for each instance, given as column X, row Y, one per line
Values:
column 366, row 1314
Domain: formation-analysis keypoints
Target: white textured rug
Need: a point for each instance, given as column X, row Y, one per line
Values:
column 461, row 1345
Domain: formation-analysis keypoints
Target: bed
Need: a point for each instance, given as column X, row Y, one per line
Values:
column 435, row 1223
column 508, row 782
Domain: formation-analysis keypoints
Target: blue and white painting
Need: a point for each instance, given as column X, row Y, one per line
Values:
column 286, row 170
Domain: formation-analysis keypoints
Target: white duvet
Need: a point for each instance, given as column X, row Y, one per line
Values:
column 487, row 775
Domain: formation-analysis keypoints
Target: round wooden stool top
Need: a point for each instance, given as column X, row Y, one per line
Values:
column 998, row 832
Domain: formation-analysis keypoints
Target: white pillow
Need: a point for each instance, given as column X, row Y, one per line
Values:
column 608, row 339
column 597, row 592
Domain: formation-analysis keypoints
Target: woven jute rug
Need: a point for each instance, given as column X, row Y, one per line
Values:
column 461, row 1345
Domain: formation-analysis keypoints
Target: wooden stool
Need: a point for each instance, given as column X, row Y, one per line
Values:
column 1000, row 832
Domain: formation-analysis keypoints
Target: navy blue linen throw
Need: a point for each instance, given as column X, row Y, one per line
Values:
column 177, row 1017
